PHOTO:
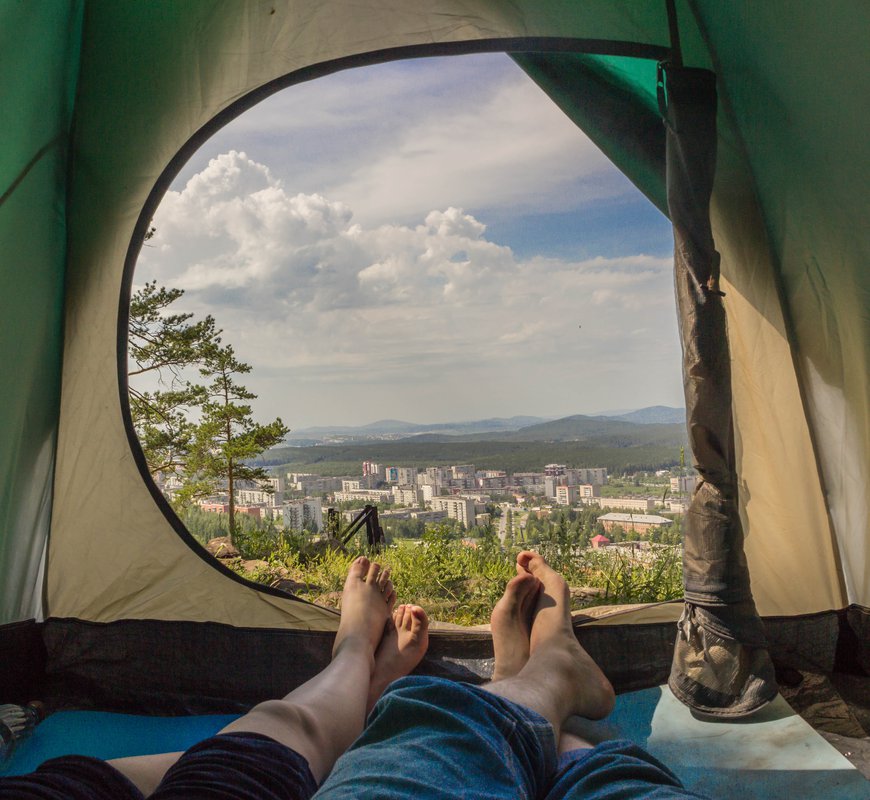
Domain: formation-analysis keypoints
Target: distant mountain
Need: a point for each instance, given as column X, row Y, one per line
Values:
column 652, row 425
column 399, row 429
column 597, row 431
column 653, row 414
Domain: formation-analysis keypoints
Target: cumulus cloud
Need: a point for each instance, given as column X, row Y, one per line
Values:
column 313, row 298
column 514, row 148
column 396, row 140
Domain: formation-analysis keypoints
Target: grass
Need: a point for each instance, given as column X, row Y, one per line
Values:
column 459, row 583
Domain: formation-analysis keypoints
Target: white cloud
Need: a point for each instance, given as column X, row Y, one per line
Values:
column 431, row 313
column 396, row 140
column 514, row 148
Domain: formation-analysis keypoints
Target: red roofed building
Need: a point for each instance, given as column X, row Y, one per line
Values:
column 599, row 541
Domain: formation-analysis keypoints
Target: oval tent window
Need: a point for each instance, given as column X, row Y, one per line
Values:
column 412, row 306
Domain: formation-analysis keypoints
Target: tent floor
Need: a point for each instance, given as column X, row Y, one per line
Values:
column 837, row 706
column 775, row 754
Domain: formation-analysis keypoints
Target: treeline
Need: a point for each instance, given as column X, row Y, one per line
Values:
column 510, row 456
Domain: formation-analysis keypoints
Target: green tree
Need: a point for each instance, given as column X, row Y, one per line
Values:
column 227, row 437
column 161, row 347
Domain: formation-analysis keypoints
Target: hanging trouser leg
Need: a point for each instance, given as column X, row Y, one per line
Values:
column 721, row 665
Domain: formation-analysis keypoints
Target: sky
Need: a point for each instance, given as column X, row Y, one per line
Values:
column 429, row 240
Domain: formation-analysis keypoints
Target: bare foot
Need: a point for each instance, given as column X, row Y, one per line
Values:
column 366, row 603
column 555, row 650
column 402, row 648
column 511, row 625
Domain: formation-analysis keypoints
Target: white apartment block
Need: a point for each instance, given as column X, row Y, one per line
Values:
column 594, row 475
column 529, row 480
column 299, row 512
column 460, row 508
column 252, row 493
column 403, row 476
column 685, row 484
column 309, row 483
column 351, row 486
column 428, row 491
column 481, row 498
column 639, row 523
column 626, row 503
column 492, row 481
column 366, row 495
column 458, row 471
column 428, row 516
column 408, row 495
column 407, row 476
column 372, row 470
column 434, row 476
column 566, row 495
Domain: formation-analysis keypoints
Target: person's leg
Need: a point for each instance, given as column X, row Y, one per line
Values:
column 402, row 647
column 322, row 717
column 511, row 625
column 429, row 737
column 613, row 770
column 559, row 679
column 70, row 778
column 319, row 719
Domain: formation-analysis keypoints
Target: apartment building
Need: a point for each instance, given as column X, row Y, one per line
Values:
column 408, row 495
column 300, row 514
column 637, row 523
column 457, row 507
column 626, row 503
column 366, row 495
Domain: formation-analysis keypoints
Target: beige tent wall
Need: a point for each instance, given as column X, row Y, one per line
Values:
column 112, row 553
column 788, row 535
column 802, row 105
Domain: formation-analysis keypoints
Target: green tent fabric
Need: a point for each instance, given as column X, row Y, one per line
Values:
column 104, row 100
column 40, row 69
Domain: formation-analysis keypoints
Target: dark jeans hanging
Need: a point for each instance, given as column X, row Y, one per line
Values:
column 721, row 665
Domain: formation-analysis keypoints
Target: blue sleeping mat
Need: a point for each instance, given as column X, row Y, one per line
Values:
column 773, row 755
column 104, row 735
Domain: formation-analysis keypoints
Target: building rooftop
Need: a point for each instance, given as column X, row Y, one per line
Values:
column 647, row 519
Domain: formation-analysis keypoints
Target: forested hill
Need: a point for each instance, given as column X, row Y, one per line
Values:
column 601, row 431
column 577, row 441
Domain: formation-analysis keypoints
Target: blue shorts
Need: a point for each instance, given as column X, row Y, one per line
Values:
column 431, row 738
column 426, row 738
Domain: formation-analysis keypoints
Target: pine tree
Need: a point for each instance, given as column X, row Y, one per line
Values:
column 164, row 345
column 227, row 437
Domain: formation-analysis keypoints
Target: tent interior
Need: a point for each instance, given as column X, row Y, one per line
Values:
column 106, row 603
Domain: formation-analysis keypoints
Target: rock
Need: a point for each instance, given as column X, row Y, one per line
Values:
column 585, row 592
column 323, row 546
column 293, row 587
column 222, row 547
